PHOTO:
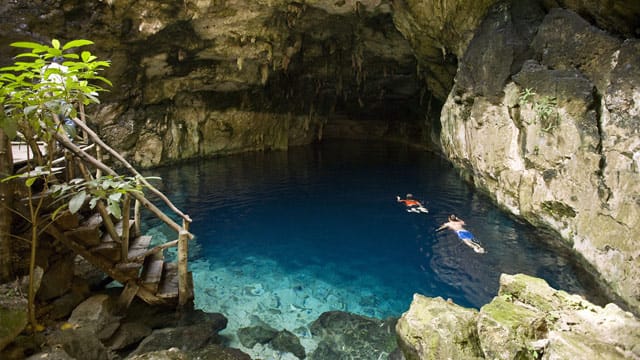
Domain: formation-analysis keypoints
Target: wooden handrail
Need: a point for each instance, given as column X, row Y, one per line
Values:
column 99, row 165
column 119, row 157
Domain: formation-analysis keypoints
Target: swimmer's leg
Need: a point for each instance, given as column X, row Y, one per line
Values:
column 475, row 246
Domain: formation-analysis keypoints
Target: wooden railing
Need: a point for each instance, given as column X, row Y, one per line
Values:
column 83, row 160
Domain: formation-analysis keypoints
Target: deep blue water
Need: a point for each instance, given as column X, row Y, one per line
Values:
column 328, row 213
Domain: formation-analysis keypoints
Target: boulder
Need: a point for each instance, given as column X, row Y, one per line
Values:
column 434, row 328
column 219, row 352
column 185, row 338
column 128, row 334
column 286, row 341
column 527, row 320
column 530, row 318
column 96, row 316
column 259, row 334
column 342, row 335
column 169, row 354
column 78, row 343
column 13, row 313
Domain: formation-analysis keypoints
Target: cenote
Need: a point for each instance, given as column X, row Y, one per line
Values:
column 285, row 236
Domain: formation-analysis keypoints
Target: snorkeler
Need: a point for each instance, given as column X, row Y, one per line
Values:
column 412, row 204
column 457, row 225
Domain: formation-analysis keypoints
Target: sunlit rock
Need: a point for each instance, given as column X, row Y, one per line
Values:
column 527, row 320
column 434, row 328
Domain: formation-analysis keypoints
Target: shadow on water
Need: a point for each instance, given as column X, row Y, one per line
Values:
column 327, row 213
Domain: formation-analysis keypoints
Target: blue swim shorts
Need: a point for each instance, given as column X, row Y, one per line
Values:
column 464, row 235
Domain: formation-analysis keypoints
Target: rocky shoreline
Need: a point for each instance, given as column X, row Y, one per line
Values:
column 526, row 320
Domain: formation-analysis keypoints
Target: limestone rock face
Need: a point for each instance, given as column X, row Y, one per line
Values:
column 439, row 32
column 555, row 141
column 202, row 78
column 434, row 328
column 527, row 320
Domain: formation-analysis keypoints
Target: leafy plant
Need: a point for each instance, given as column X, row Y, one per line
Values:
column 111, row 189
column 44, row 82
column 525, row 96
column 546, row 109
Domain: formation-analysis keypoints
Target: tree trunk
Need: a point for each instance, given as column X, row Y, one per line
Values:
column 6, row 201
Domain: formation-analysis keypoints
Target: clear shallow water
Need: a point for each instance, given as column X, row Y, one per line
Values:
column 284, row 236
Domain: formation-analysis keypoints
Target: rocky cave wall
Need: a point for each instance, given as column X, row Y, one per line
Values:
column 544, row 116
column 199, row 78
column 202, row 78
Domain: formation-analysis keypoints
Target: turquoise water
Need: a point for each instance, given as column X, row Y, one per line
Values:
column 283, row 236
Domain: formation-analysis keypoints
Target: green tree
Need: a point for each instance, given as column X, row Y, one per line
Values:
column 45, row 83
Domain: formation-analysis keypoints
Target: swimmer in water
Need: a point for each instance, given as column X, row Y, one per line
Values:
column 457, row 225
column 412, row 204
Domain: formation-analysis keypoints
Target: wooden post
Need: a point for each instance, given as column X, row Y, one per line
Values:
column 183, row 253
column 136, row 218
column 126, row 213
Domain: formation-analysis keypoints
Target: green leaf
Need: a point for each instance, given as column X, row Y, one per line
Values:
column 104, row 80
column 10, row 127
column 30, row 181
column 28, row 55
column 87, row 57
column 114, row 209
column 77, row 43
column 29, row 45
column 115, row 196
column 55, row 43
column 54, row 215
column 77, row 201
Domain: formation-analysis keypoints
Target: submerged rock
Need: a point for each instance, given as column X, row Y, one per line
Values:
column 527, row 320
column 343, row 335
column 260, row 334
column 284, row 340
column 288, row 342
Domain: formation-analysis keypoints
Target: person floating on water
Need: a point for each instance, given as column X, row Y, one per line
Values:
column 457, row 225
column 412, row 204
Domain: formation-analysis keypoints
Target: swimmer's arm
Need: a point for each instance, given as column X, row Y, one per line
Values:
column 444, row 226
